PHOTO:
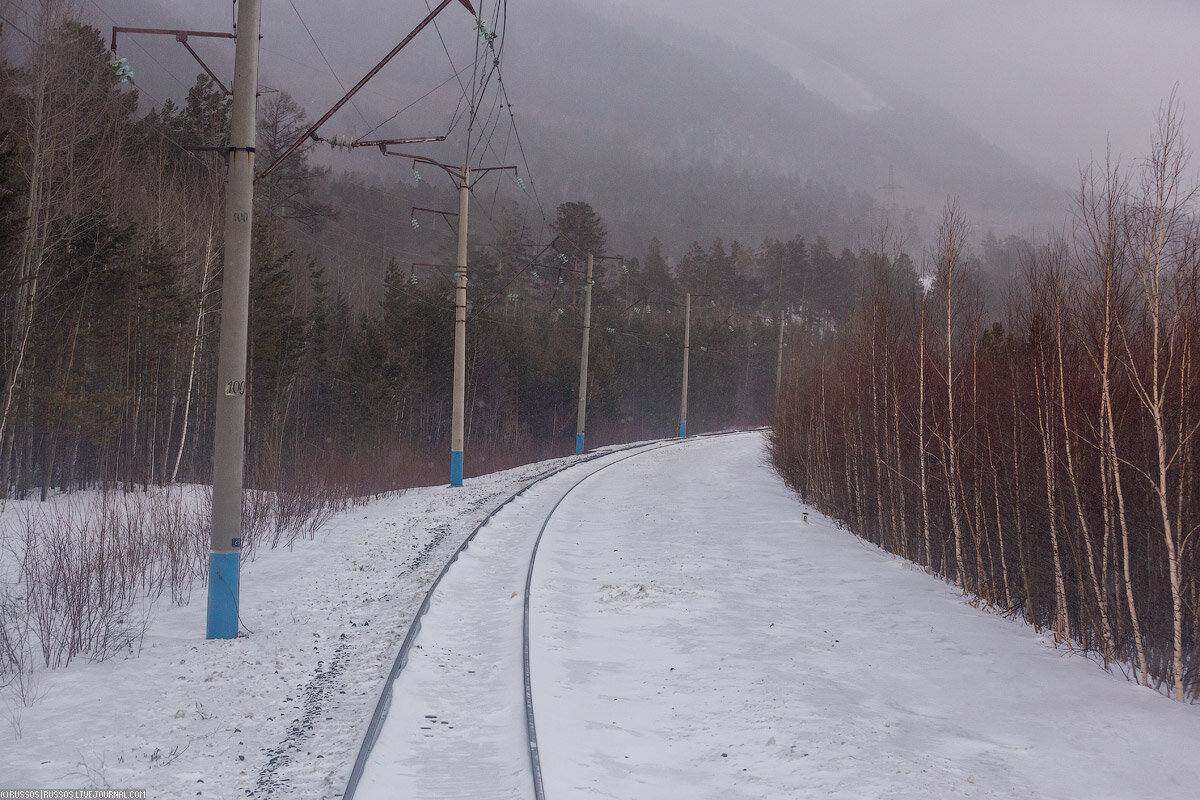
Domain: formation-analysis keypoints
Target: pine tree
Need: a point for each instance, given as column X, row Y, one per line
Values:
column 581, row 231
column 275, row 342
column 290, row 191
column 660, row 285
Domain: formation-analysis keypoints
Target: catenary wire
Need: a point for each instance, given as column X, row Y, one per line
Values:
column 321, row 52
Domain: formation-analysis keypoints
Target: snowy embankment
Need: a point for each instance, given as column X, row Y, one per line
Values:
column 279, row 712
column 692, row 636
column 695, row 637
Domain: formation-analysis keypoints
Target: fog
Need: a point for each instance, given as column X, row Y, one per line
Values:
column 618, row 97
column 1048, row 80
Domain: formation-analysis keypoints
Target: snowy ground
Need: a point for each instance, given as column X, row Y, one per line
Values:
column 698, row 639
column 278, row 713
column 692, row 637
column 457, row 720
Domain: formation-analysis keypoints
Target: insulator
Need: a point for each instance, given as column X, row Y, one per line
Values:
column 121, row 66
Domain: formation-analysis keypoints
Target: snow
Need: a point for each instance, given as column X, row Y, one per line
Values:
column 691, row 637
column 698, row 639
column 457, row 718
column 280, row 712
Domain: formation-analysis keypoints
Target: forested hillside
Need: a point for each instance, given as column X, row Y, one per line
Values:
column 113, row 234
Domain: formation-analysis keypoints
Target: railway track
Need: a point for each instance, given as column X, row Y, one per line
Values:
column 411, row 640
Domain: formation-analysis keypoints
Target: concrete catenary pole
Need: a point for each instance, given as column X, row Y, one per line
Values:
column 687, row 346
column 460, row 334
column 581, row 418
column 224, row 566
column 779, row 358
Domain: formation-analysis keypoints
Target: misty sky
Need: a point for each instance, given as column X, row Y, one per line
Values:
column 1044, row 78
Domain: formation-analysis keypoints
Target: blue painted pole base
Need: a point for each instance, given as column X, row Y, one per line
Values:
column 579, row 444
column 683, row 430
column 223, row 574
column 456, row 467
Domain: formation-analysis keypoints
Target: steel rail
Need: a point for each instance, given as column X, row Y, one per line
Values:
column 384, row 703
column 535, row 762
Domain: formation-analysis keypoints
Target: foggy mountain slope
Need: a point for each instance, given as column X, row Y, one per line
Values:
column 666, row 132
column 784, row 51
column 675, row 102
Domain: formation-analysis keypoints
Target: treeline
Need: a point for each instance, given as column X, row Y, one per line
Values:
column 110, row 267
column 1045, row 461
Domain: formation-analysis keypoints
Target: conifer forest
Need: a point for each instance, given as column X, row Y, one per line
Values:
column 112, row 244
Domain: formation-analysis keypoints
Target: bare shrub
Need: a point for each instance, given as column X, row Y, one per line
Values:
column 291, row 504
column 81, row 575
column 89, row 569
column 14, row 655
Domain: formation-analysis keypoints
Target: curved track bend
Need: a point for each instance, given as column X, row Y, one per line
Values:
column 456, row 659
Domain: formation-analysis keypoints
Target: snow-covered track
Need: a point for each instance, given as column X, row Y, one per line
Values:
column 535, row 763
column 379, row 715
column 384, row 703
